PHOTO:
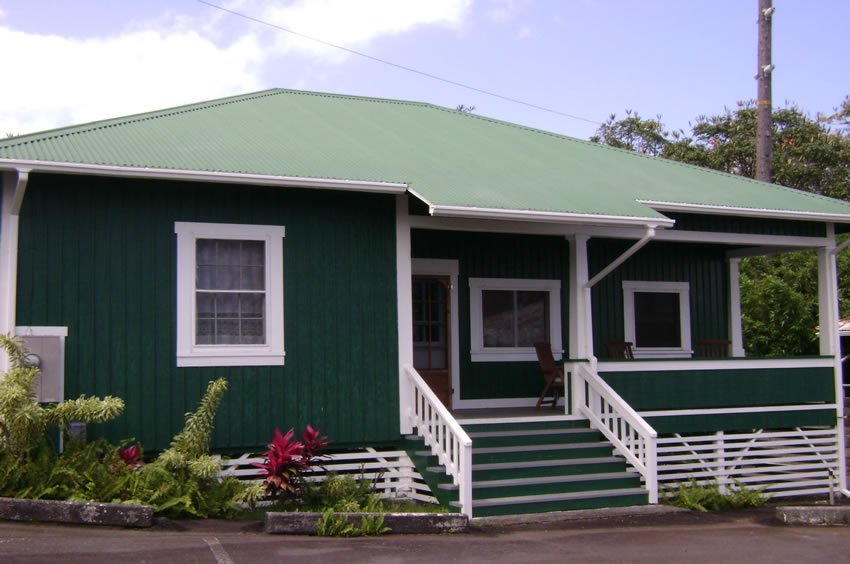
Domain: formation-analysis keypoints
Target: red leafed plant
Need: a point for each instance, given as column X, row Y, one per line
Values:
column 132, row 456
column 287, row 459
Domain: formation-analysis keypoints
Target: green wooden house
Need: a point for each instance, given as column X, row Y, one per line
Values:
column 382, row 269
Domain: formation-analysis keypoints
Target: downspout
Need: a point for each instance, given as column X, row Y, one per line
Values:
column 648, row 236
column 13, row 189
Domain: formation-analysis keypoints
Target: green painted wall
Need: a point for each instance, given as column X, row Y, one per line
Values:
column 704, row 266
column 696, row 389
column 98, row 255
column 748, row 225
column 489, row 255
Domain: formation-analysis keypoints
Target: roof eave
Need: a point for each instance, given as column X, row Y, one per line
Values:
column 547, row 217
column 204, row 176
column 746, row 212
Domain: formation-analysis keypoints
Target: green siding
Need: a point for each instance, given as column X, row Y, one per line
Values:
column 489, row 255
column 702, row 389
column 703, row 266
column 695, row 389
column 99, row 256
column 748, row 225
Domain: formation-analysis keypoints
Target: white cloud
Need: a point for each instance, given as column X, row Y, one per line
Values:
column 176, row 58
column 525, row 32
column 62, row 80
column 501, row 11
column 354, row 24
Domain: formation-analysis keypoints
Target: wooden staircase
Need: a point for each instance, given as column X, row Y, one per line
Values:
column 536, row 467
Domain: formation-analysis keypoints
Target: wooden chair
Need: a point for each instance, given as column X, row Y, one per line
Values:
column 621, row 349
column 552, row 373
column 712, row 348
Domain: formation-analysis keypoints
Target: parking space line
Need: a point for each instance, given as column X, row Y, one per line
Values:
column 218, row 551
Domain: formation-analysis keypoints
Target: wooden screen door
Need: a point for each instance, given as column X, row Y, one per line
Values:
column 431, row 338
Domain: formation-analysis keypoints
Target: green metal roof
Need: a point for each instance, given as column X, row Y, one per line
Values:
column 448, row 158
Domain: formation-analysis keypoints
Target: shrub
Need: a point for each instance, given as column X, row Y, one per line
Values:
column 286, row 461
column 708, row 497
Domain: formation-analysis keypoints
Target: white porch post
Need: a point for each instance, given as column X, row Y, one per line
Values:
column 13, row 185
column 829, row 339
column 736, row 331
column 404, row 273
column 581, row 338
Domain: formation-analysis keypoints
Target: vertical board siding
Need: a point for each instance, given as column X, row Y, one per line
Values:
column 99, row 256
column 748, row 225
column 489, row 255
column 703, row 266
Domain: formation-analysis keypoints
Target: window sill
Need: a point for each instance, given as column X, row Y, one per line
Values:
column 513, row 355
column 231, row 360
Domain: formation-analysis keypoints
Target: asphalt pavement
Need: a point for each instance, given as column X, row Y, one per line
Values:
column 750, row 537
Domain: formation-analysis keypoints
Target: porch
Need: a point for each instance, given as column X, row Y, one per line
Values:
column 768, row 424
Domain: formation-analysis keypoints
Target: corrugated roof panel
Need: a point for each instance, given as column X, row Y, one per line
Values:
column 450, row 158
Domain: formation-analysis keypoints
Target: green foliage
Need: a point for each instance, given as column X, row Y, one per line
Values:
column 708, row 497
column 23, row 421
column 339, row 493
column 778, row 294
column 330, row 525
column 189, row 449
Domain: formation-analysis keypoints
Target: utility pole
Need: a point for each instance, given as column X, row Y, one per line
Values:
column 764, row 104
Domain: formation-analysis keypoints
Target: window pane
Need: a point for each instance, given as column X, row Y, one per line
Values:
column 226, row 306
column 253, row 253
column 253, row 278
column 532, row 318
column 497, row 309
column 657, row 319
column 253, row 332
column 252, row 305
column 205, row 332
column 227, row 252
column 206, row 251
column 226, row 278
column 205, row 304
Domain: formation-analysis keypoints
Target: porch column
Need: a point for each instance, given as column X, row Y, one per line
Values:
column 581, row 323
column 404, row 289
column 736, row 332
column 13, row 186
column 830, row 344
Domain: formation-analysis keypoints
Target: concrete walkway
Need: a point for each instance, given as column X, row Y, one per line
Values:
column 750, row 537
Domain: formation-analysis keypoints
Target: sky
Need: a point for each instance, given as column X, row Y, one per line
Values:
column 68, row 62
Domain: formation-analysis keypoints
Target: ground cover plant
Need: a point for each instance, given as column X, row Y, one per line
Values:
column 709, row 497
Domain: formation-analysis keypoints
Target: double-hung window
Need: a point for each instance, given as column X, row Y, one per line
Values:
column 657, row 318
column 508, row 316
column 229, row 294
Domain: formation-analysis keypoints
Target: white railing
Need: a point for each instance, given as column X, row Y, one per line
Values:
column 392, row 472
column 630, row 434
column 780, row 462
column 443, row 435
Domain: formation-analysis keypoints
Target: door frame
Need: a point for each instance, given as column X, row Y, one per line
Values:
column 449, row 268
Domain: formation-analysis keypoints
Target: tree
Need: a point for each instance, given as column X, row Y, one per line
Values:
column 779, row 293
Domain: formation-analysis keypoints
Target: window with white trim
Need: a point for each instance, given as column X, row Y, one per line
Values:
column 657, row 318
column 229, row 294
column 508, row 316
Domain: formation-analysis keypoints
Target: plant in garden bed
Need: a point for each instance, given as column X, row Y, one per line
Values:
column 708, row 497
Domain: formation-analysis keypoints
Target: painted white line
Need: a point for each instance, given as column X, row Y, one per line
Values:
column 218, row 551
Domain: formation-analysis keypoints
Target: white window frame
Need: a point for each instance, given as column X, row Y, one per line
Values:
column 479, row 352
column 631, row 287
column 190, row 354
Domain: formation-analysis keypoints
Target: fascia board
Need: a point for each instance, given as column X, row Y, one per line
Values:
column 204, row 176
column 747, row 212
column 547, row 217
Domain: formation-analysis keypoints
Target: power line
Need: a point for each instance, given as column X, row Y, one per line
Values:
column 399, row 66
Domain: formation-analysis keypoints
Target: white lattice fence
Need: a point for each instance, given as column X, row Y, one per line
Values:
column 393, row 472
column 784, row 463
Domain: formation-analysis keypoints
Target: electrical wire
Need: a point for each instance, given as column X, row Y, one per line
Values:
column 400, row 66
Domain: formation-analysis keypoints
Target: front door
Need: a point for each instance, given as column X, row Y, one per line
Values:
column 431, row 338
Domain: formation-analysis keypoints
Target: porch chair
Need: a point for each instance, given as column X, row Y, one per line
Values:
column 712, row 348
column 553, row 373
column 621, row 349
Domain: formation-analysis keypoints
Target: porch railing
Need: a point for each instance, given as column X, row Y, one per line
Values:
column 630, row 434
column 444, row 435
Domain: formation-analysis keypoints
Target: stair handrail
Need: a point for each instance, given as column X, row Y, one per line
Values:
column 631, row 435
column 444, row 435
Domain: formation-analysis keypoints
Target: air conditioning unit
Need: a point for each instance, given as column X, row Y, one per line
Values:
column 46, row 347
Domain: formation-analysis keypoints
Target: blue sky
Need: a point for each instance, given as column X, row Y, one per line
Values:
column 70, row 62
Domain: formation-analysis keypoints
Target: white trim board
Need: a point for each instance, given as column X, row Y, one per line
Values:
column 729, row 410
column 206, row 176
column 726, row 364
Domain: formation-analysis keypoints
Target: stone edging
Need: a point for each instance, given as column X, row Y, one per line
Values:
column 296, row 523
column 77, row 512
column 814, row 515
